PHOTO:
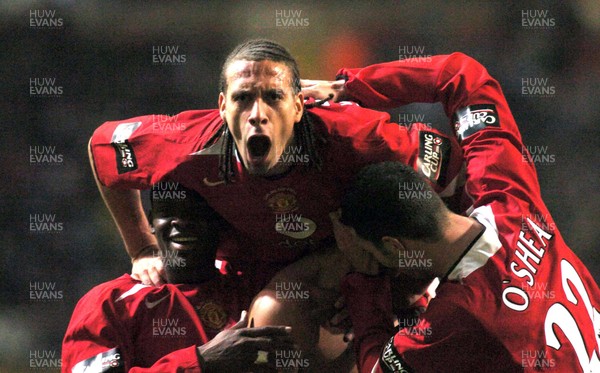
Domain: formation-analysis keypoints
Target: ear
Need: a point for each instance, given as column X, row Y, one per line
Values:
column 392, row 246
column 299, row 107
column 222, row 100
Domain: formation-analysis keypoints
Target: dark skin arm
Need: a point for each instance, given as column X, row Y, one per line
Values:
column 237, row 349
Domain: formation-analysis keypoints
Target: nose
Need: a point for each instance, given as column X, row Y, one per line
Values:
column 258, row 113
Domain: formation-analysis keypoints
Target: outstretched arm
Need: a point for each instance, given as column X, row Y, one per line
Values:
column 125, row 206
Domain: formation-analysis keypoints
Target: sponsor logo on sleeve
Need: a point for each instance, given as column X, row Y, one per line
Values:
column 434, row 156
column 474, row 118
column 391, row 361
column 126, row 161
column 105, row 362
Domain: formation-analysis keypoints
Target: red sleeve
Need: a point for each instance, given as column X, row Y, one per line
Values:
column 432, row 154
column 100, row 337
column 138, row 152
column 474, row 100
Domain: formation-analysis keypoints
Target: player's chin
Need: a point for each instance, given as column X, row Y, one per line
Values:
column 259, row 169
column 259, row 166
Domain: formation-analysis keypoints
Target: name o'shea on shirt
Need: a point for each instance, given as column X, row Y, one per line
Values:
column 529, row 255
column 531, row 247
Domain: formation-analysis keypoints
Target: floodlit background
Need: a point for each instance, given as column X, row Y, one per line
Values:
column 68, row 66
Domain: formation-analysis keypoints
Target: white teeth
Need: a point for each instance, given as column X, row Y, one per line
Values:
column 184, row 239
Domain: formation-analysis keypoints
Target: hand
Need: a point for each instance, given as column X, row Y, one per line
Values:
column 237, row 349
column 324, row 89
column 148, row 268
column 337, row 318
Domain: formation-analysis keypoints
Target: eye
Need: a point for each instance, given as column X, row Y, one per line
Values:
column 241, row 97
column 274, row 95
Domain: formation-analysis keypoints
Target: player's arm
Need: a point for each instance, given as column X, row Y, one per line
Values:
column 481, row 118
column 125, row 206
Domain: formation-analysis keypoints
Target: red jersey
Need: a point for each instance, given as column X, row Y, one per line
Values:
column 133, row 327
column 519, row 300
column 274, row 220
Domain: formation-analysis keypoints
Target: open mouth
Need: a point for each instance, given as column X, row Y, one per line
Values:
column 259, row 146
column 183, row 239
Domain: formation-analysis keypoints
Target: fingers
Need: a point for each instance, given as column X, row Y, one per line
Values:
column 155, row 277
column 148, row 270
column 267, row 331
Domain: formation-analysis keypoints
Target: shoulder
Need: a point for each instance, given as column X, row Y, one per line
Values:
column 184, row 127
column 119, row 294
column 348, row 120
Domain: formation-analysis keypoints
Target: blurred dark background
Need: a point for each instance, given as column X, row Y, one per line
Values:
column 68, row 66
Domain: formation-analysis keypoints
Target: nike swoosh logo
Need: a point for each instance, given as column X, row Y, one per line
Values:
column 212, row 183
column 151, row 305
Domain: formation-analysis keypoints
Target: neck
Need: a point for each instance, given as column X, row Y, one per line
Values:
column 459, row 232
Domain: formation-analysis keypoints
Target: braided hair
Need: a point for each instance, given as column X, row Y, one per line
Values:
column 305, row 132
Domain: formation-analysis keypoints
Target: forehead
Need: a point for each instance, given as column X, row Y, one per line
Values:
column 174, row 209
column 241, row 73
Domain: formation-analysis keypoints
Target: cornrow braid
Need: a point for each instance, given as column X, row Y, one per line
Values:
column 226, row 155
column 305, row 133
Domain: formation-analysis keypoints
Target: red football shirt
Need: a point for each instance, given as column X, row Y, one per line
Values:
column 520, row 299
column 274, row 220
column 139, row 328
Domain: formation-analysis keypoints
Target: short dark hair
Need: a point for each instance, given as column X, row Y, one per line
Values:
column 261, row 50
column 391, row 199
